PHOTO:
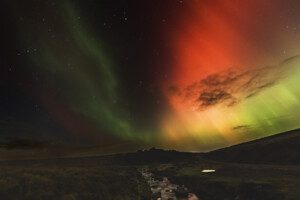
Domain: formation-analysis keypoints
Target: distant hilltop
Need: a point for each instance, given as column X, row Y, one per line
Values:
column 154, row 149
column 282, row 148
column 154, row 155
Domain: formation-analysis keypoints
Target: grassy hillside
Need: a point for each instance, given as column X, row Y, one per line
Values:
column 283, row 148
column 72, row 183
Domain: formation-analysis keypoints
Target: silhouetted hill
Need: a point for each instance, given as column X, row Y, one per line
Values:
column 154, row 155
column 283, row 148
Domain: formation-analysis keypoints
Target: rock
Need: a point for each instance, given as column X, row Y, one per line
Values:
column 156, row 195
column 182, row 192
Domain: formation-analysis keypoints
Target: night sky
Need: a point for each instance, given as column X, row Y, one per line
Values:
column 191, row 75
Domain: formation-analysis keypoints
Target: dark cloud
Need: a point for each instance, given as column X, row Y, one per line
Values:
column 208, row 98
column 232, row 86
column 221, row 79
column 241, row 127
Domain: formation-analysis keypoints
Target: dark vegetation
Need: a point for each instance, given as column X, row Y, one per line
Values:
column 265, row 169
column 72, row 183
column 235, row 181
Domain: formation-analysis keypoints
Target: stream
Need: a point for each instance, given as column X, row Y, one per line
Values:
column 165, row 190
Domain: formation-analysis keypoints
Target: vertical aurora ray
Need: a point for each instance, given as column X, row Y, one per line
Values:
column 226, row 84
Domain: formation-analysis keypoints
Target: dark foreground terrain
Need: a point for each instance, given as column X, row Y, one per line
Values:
column 266, row 169
column 234, row 181
column 281, row 149
column 70, row 183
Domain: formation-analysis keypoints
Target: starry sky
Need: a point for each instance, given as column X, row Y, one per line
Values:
column 115, row 76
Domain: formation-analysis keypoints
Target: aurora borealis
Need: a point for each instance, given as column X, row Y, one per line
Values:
column 190, row 75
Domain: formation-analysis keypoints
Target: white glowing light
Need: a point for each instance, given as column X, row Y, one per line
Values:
column 208, row 170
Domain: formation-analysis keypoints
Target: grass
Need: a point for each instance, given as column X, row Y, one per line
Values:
column 235, row 181
column 72, row 183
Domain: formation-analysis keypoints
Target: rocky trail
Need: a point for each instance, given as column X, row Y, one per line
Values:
column 163, row 189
